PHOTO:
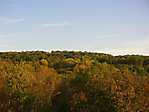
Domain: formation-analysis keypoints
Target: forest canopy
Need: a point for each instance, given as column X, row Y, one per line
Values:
column 73, row 81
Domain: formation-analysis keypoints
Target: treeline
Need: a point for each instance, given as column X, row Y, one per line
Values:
column 68, row 81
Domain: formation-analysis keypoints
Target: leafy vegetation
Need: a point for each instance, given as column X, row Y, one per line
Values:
column 68, row 81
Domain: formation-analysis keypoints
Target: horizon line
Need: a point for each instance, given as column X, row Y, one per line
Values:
column 120, row 53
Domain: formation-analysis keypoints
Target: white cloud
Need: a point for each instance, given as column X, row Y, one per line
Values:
column 9, row 20
column 65, row 23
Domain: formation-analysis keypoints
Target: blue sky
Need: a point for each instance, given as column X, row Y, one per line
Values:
column 110, row 26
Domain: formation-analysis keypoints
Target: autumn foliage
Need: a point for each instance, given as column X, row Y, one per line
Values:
column 73, row 82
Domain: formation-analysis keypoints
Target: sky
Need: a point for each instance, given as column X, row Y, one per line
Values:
column 116, row 27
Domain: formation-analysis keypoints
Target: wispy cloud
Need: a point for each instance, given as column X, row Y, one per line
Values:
column 6, row 35
column 9, row 20
column 65, row 23
column 107, row 36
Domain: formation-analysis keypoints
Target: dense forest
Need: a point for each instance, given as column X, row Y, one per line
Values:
column 70, row 81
